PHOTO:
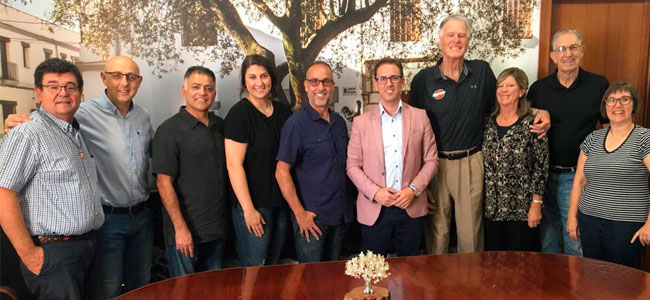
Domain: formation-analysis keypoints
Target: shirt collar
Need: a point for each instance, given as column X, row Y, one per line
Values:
column 438, row 75
column 382, row 111
column 313, row 115
column 63, row 125
column 189, row 120
column 556, row 82
column 107, row 104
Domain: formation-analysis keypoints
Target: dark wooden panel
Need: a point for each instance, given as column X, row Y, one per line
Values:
column 486, row 275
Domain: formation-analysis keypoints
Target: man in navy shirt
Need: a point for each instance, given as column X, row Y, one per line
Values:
column 314, row 142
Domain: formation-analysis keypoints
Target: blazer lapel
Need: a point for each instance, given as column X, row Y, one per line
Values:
column 376, row 129
column 406, row 130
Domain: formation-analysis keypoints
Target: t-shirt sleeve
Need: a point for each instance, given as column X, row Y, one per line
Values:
column 18, row 160
column 491, row 82
column 165, row 152
column 417, row 88
column 644, row 141
column 290, row 143
column 586, row 145
column 237, row 127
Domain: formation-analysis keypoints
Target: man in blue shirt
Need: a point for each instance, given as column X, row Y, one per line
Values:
column 314, row 142
column 118, row 134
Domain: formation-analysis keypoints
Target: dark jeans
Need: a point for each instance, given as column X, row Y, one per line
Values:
column 65, row 273
column 610, row 240
column 208, row 256
column 554, row 237
column 393, row 224
column 258, row 251
column 125, row 244
column 326, row 248
column 510, row 236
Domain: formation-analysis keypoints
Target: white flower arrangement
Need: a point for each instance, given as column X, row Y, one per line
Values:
column 368, row 266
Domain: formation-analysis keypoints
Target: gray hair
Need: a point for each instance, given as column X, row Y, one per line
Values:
column 565, row 31
column 456, row 17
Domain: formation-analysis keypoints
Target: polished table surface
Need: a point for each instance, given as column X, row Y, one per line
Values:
column 485, row 275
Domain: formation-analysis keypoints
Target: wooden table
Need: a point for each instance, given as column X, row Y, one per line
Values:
column 486, row 275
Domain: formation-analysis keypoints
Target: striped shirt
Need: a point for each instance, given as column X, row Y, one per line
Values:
column 617, row 181
column 57, row 190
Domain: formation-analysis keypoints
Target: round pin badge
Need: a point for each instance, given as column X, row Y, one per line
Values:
column 439, row 94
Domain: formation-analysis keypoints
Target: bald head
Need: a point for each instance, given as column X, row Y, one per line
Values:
column 121, row 76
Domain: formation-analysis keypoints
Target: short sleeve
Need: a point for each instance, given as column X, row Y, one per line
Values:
column 18, row 160
column 587, row 144
column 644, row 143
column 165, row 151
column 417, row 86
column 290, row 142
column 237, row 124
column 491, row 82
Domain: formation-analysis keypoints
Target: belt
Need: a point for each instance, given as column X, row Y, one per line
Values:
column 452, row 155
column 43, row 239
column 561, row 169
column 131, row 210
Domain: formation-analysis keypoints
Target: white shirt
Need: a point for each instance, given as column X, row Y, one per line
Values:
column 391, row 135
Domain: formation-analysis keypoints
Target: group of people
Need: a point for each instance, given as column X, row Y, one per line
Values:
column 75, row 177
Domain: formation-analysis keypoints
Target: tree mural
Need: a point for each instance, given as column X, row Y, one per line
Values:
column 342, row 32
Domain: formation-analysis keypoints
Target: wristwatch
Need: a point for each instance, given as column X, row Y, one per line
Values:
column 415, row 190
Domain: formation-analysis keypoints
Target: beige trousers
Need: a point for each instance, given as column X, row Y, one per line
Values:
column 459, row 182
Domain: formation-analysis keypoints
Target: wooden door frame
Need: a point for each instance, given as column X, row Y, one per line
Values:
column 546, row 8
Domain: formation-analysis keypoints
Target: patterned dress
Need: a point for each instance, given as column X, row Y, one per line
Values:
column 516, row 167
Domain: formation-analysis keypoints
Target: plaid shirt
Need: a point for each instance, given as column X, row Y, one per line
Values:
column 57, row 190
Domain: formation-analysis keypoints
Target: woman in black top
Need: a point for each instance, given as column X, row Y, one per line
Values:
column 252, row 135
column 516, row 164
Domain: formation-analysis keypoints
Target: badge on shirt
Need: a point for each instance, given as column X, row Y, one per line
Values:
column 439, row 94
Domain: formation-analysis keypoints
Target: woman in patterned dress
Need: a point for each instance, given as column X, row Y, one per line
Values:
column 516, row 167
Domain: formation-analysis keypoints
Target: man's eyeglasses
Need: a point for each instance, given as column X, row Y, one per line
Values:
column 610, row 102
column 381, row 80
column 118, row 76
column 573, row 48
column 71, row 89
column 316, row 82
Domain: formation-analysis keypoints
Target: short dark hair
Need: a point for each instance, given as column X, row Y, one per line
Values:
column 201, row 70
column 259, row 60
column 388, row 60
column 620, row 86
column 58, row 66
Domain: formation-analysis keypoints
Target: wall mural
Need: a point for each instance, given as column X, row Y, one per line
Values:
column 342, row 32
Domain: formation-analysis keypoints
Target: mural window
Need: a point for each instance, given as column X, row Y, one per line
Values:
column 405, row 20
column 48, row 53
column 25, row 54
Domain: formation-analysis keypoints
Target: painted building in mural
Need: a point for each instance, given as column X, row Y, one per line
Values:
column 25, row 42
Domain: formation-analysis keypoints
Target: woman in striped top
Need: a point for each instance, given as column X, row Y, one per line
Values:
column 610, row 197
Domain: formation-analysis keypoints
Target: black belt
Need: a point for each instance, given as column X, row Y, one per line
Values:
column 561, row 169
column 132, row 210
column 452, row 155
column 43, row 239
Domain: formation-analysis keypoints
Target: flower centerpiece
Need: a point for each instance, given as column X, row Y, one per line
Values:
column 370, row 267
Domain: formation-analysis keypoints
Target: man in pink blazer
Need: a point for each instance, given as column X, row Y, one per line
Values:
column 392, row 157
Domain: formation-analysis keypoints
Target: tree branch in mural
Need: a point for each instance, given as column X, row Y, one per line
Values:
column 342, row 32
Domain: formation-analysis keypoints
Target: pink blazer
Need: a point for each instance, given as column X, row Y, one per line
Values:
column 365, row 162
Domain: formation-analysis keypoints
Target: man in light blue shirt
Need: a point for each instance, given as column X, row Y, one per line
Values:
column 118, row 133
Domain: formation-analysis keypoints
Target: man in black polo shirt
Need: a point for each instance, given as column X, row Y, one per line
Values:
column 458, row 94
column 572, row 96
column 189, row 160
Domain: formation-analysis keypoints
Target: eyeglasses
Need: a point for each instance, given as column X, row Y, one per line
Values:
column 118, row 76
column 316, row 82
column 573, row 48
column 71, row 89
column 381, row 80
column 610, row 102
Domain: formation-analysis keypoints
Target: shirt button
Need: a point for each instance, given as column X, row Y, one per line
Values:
column 396, row 166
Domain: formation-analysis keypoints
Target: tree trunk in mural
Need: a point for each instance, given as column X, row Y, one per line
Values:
column 213, row 30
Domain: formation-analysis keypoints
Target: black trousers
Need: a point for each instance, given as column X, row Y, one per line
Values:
column 393, row 224
column 510, row 236
column 610, row 240
column 66, row 272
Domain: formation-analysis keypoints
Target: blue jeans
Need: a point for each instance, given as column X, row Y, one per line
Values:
column 395, row 224
column 125, row 244
column 610, row 240
column 553, row 234
column 264, row 250
column 326, row 248
column 208, row 256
